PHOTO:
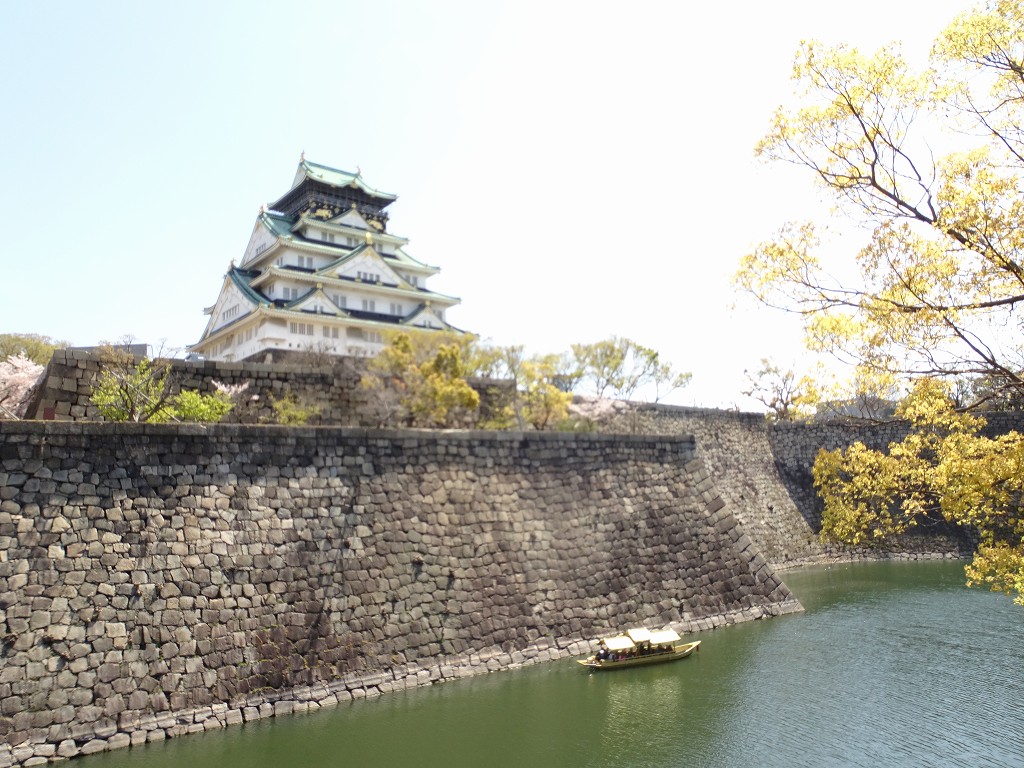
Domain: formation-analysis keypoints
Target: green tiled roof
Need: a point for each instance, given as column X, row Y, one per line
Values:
column 280, row 226
column 341, row 259
column 241, row 278
column 422, row 309
column 339, row 178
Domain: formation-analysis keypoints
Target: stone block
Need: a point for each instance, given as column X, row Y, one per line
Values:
column 93, row 746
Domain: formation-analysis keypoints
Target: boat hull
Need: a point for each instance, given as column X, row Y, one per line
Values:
column 678, row 652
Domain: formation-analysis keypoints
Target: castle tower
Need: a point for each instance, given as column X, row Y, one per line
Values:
column 322, row 273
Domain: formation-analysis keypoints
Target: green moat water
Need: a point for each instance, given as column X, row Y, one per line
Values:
column 893, row 664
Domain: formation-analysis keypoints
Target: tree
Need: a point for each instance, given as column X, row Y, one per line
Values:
column 536, row 400
column 935, row 293
column 986, row 393
column 566, row 373
column 939, row 281
column 786, row 397
column 193, row 406
column 420, row 381
column 132, row 390
column 444, row 397
column 621, row 367
column 140, row 389
column 289, row 411
column 543, row 402
column 943, row 469
column 18, row 377
column 35, row 347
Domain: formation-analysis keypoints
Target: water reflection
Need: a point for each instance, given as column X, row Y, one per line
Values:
column 641, row 711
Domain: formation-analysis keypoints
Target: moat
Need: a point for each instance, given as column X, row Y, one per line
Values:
column 891, row 664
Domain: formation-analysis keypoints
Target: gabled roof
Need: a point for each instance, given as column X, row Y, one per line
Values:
column 363, row 250
column 315, row 298
column 404, row 258
column 337, row 225
column 279, row 226
column 241, row 279
column 336, row 178
column 342, row 259
column 345, row 219
column 423, row 309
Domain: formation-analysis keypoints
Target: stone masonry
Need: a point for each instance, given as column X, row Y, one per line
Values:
column 764, row 474
column 159, row 580
column 333, row 387
column 762, row 470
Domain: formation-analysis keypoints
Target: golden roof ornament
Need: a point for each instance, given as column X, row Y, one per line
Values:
column 369, row 237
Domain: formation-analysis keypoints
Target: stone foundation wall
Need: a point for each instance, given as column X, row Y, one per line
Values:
column 71, row 375
column 762, row 470
column 764, row 474
column 157, row 580
column 333, row 387
column 739, row 450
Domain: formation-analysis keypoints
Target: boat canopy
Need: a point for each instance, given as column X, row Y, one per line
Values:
column 634, row 637
column 639, row 635
column 665, row 637
column 618, row 643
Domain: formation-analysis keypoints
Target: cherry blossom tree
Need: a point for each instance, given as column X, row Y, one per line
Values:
column 18, row 375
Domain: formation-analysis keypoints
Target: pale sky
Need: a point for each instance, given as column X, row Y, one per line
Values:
column 576, row 169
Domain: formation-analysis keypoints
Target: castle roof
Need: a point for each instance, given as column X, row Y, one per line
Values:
column 335, row 177
column 327, row 233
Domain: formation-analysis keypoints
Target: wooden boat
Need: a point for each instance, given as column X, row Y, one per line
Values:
column 638, row 647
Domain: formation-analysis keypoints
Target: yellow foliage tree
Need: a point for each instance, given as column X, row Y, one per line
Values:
column 939, row 280
column 944, row 468
column 535, row 401
column 420, row 382
column 936, row 290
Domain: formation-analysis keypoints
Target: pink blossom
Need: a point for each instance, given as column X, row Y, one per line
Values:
column 18, row 375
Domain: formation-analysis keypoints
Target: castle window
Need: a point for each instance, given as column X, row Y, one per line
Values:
column 369, row 277
column 339, row 300
column 397, row 309
column 301, row 329
column 369, row 305
column 330, row 333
